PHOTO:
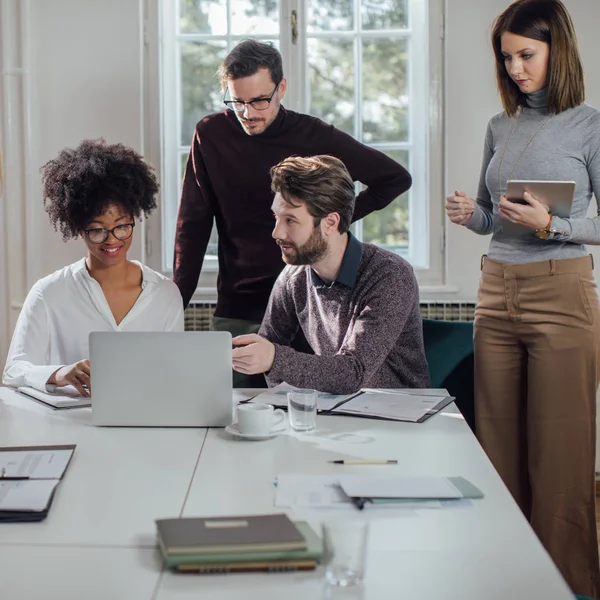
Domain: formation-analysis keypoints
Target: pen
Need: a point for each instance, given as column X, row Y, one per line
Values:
column 364, row 462
column 3, row 478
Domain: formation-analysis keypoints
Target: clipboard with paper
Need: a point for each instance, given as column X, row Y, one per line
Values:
column 388, row 490
column 29, row 476
column 408, row 405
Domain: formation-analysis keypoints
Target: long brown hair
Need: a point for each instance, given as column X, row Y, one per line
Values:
column 546, row 21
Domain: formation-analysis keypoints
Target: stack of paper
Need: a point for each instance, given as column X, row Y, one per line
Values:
column 240, row 543
column 347, row 491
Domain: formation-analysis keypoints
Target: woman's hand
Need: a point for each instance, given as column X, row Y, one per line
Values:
column 459, row 208
column 534, row 214
column 77, row 375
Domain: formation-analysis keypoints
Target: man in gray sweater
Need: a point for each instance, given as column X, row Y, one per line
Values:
column 357, row 304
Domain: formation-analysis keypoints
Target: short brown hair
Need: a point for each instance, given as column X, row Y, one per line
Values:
column 546, row 21
column 322, row 182
column 247, row 58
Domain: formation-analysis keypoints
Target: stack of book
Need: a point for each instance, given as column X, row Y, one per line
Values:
column 238, row 544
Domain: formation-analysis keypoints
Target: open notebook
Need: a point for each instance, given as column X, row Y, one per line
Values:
column 59, row 397
column 29, row 476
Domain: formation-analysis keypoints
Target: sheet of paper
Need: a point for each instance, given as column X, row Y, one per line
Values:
column 324, row 492
column 309, row 490
column 26, row 495
column 278, row 396
column 401, row 406
column 35, row 463
column 59, row 397
column 361, row 486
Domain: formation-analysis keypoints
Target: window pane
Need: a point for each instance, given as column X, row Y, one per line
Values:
column 203, row 16
column 385, row 90
column 331, row 67
column 254, row 17
column 389, row 227
column 200, row 90
column 384, row 14
column 330, row 15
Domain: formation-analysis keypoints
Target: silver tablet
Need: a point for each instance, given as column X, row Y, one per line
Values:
column 557, row 195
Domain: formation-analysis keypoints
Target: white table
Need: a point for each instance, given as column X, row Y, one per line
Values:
column 99, row 538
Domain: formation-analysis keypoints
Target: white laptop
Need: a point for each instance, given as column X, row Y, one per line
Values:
column 161, row 379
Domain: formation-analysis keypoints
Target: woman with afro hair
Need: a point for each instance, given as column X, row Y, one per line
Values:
column 94, row 192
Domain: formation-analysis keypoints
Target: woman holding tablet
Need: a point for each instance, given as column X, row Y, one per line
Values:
column 537, row 321
column 95, row 192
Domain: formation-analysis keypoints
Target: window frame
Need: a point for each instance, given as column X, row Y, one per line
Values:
column 162, row 132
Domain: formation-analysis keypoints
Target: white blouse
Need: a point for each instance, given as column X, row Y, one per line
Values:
column 62, row 309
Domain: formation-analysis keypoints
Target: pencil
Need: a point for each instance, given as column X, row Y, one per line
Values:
column 363, row 462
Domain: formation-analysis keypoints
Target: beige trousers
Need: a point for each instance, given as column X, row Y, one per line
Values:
column 537, row 340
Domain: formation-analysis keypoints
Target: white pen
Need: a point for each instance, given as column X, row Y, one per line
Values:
column 363, row 462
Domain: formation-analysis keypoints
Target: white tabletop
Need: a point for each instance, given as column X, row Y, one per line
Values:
column 121, row 479
column 30, row 572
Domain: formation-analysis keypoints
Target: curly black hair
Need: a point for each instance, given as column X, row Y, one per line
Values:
column 80, row 183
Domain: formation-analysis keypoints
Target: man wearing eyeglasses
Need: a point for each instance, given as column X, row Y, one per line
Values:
column 227, row 181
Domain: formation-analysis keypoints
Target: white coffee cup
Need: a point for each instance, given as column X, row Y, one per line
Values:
column 257, row 418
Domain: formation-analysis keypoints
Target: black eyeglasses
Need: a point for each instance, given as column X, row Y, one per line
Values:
column 257, row 104
column 100, row 235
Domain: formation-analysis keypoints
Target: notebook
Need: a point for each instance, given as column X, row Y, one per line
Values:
column 214, row 535
column 59, row 397
column 313, row 552
column 29, row 476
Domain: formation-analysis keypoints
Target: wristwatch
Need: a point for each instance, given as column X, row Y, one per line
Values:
column 544, row 233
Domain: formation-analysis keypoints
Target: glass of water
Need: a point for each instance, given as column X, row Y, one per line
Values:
column 345, row 546
column 302, row 409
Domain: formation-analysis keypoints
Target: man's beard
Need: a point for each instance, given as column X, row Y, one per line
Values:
column 313, row 250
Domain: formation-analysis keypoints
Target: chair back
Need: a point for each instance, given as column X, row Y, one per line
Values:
column 449, row 351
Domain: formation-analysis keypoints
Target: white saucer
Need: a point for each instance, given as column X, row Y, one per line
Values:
column 235, row 432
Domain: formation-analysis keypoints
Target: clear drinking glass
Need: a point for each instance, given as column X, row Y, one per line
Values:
column 345, row 545
column 302, row 409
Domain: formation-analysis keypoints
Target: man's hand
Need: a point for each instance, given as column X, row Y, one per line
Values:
column 256, row 355
column 77, row 375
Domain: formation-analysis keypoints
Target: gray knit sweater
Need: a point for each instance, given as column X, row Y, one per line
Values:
column 567, row 148
column 366, row 332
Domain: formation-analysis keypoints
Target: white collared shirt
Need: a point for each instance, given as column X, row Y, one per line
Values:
column 62, row 309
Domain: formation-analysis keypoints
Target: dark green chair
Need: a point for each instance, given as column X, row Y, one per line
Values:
column 583, row 597
column 449, row 351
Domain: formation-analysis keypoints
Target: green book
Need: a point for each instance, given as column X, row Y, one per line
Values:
column 314, row 551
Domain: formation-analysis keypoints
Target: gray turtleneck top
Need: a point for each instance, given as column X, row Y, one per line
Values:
column 566, row 148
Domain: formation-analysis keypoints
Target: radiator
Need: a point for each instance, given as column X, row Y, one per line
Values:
column 197, row 315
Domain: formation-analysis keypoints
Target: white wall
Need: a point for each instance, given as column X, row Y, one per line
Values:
column 72, row 70
column 85, row 80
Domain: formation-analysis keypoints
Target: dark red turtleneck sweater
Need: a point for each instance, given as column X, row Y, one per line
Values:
column 227, row 180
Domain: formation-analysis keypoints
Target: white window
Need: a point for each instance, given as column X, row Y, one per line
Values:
column 372, row 68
